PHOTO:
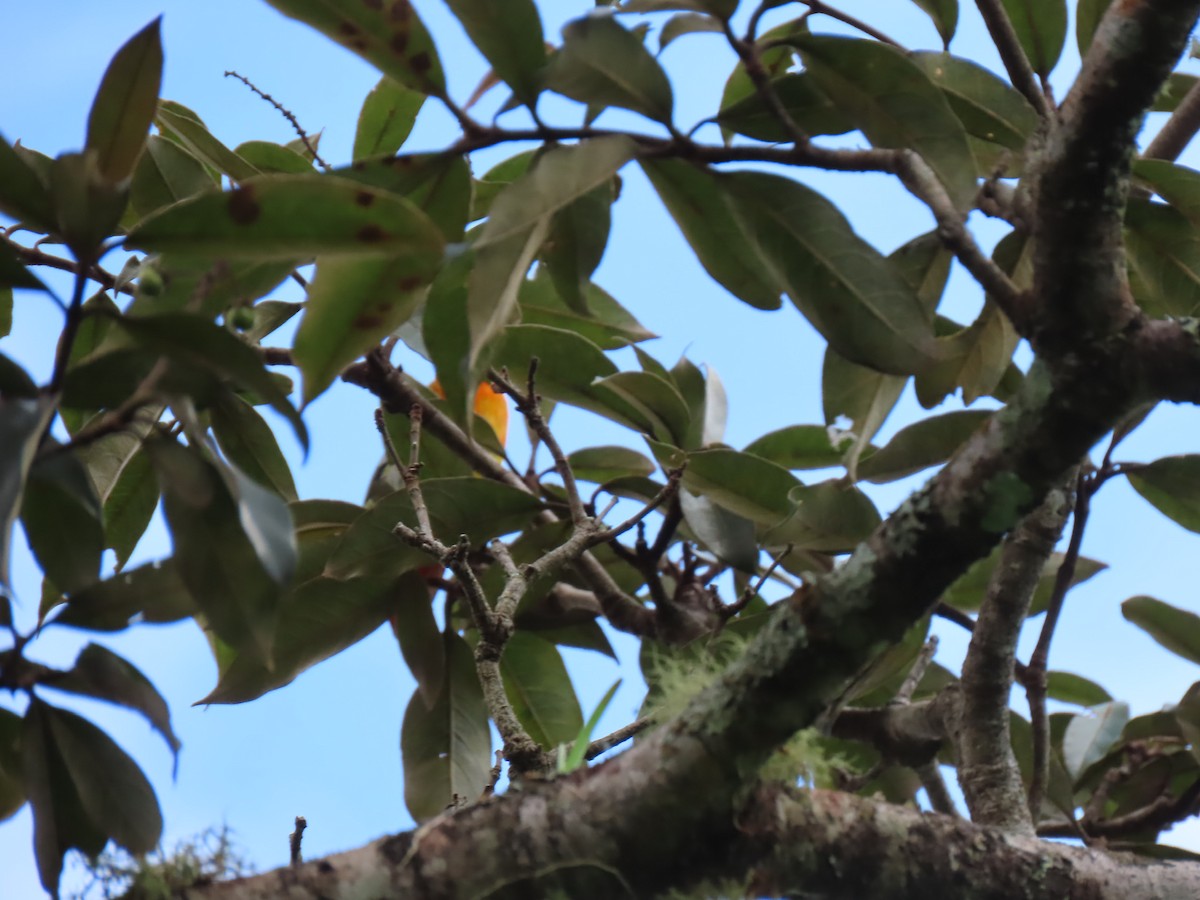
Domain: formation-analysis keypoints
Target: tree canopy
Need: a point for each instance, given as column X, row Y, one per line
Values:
column 797, row 720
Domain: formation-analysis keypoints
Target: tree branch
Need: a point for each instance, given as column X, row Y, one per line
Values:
column 1179, row 130
column 1016, row 63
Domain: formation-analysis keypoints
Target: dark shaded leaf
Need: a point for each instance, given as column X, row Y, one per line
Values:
column 1088, row 14
column 601, row 464
column 12, row 786
column 800, row 447
column 1172, row 486
column 920, row 445
column 647, row 402
column 22, row 423
column 510, row 36
column 446, row 751
column 832, row 517
column 729, row 536
column 812, row 110
column 386, row 119
column 1174, row 89
column 1068, row 687
column 165, row 174
column 944, row 14
column 153, row 593
column 924, row 264
column 1089, row 737
column 125, row 102
column 387, row 34
column 576, row 242
column 1176, row 629
column 988, row 108
column 13, row 274
column 420, row 640
column 24, row 195
column 178, row 123
column 602, row 64
column 62, row 518
column 859, row 396
column 747, row 485
column 250, row 444
column 607, row 324
column 1041, row 27
column 686, row 23
column 539, row 689
column 1163, row 252
column 968, row 591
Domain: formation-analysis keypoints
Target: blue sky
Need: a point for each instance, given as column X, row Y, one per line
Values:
column 327, row 747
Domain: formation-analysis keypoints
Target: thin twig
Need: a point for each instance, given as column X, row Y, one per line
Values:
column 940, row 800
column 917, row 671
column 665, row 493
column 729, row 610
column 287, row 114
column 1016, row 63
column 819, row 7
column 747, row 52
column 74, row 317
column 620, row 736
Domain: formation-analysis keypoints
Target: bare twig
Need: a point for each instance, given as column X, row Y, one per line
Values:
column 917, row 671
column 74, row 315
column 287, row 114
column 822, row 8
column 935, row 789
column 1179, row 130
column 747, row 52
column 1016, row 63
column 620, row 736
column 729, row 610
column 32, row 256
column 294, row 840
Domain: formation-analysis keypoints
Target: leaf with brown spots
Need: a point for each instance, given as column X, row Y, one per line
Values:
column 438, row 183
column 290, row 217
column 386, row 33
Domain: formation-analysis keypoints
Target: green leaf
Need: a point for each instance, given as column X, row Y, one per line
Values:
column 386, row 119
column 178, row 123
column 747, row 485
column 539, row 689
column 497, row 178
column 153, row 593
column 924, row 264
column 944, row 14
column 12, row 787
column 686, row 23
column 165, row 174
column 446, row 751
column 250, row 444
column 968, row 591
column 1068, row 687
column 352, row 305
column 100, row 673
column 574, row 758
column 812, row 110
column 1088, row 14
column 1041, row 27
column 189, row 339
column 1178, row 185
column 416, row 631
column 290, row 216
column 601, row 464
column 607, row 324
column 800, row 447
column 87, row 207
column 234, row 546
column 61, row 515
column 1176, row 629
column 439, row 184
column 24, row 195
column 1174, row 89
column 894, row 103
column 22, row 423
column 387, row 34
column 860, row 395
column 206, row 287
column 920, row 445
column 708, row 404
column 13, row 274
column 1172, row 486
column 60, row 821
column 602, row 64
column 1163, row 254
column 576, row 242
column 729, row 536
column 510, row 36
column 704, row 207
column 645, row 401
column 477, row 508
column 1088, row 738
column 832, row 517
column 268, row 158
column 317, row 619
column 125, row 102
column 987, row 107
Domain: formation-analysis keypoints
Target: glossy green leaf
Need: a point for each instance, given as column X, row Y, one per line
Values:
column 646, row 401
column 602, row 64
column 178, row 123
column 153, row 593
column 290, row 216
column 705, row 209
column 607, row 324
column 439, row 184
column 102, row 674
column 510, row 36
column 920, row 445
column 12, row 787
column 22, row 423
column 352, row 305
column 233, row 550
column 729, row 536
column 831, row 517
column 386, row 119
column 316, row 620
column 420, row 639
column 1041, row 27
column 1172, row 486
column 1176, row 629
column 812, row 110
column 63, row 523
column 125, row 102
column 747, row 485
column 189, row 339
column 601, row 464
column 988, row 108
column 165, row 174
column 477, row 508
column 539, row 689
column 1089, row 737
column 387, row 34
column 247, row 441
column 1067, row 687
column 859, row 396
column 1163, row 253
column 801, row 447
column 894, row 103
column 269, row 158
column 60, row 821
column 944, row 14
column 1088, row 14
column 23, row 194
column 446, row 751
